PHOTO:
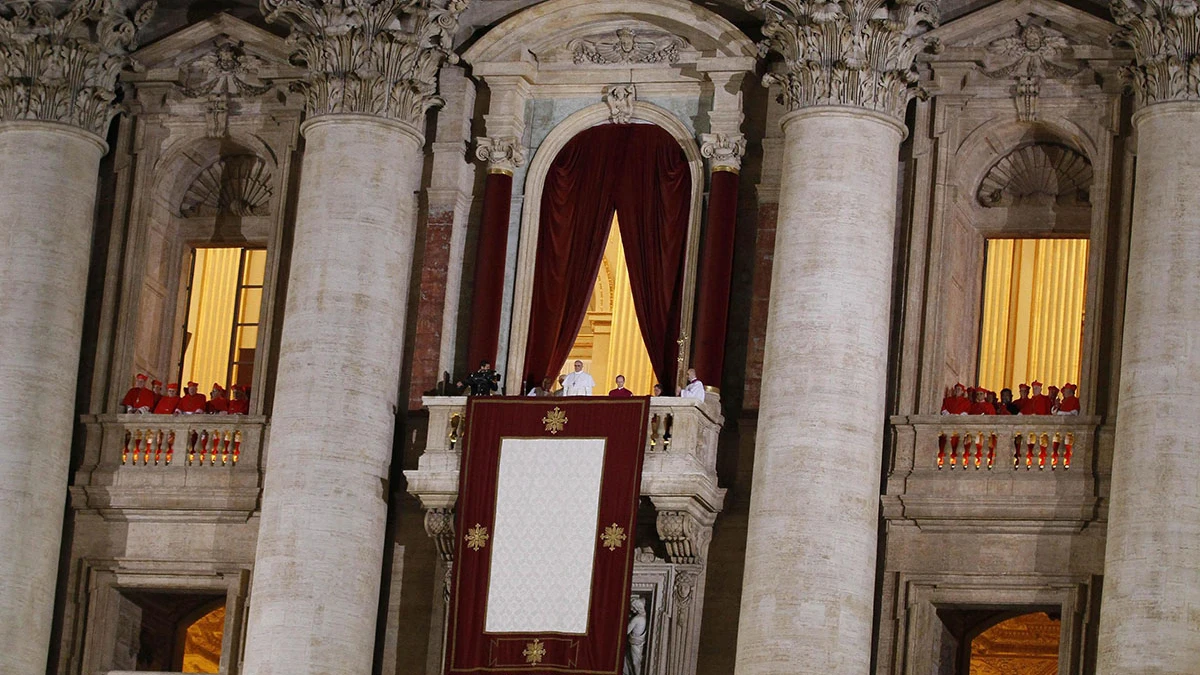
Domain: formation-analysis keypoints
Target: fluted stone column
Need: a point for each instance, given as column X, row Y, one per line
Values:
column 1150, row 610
column 809, row 584
column 55, row 107
column 317, row 569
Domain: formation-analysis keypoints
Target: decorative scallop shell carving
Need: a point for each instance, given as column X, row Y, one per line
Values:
column 238, row 185
column 1043, row 170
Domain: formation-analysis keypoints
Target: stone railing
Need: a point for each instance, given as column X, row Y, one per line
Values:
column 1028, row 471
column 679, row 474
column 171, row 466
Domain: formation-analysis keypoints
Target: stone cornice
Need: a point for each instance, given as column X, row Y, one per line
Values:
column 1165, row 37
column 59, row 61
column 847, row 53
column 370, row 57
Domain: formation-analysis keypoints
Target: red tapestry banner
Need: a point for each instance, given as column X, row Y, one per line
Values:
column 545, row 521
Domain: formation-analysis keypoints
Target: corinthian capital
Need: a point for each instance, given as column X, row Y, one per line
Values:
column 724, row 151
column 846, row 52
column 1162, row 34
column 59, row 61
column 503, row 153
column 370, row 57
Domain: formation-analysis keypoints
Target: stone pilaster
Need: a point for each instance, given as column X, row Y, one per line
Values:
column 372, row 75
column 1148, row 622
column 809, row 587
column 59, row 64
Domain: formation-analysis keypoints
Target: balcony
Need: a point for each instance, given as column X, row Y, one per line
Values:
column 678, row 476
column 1005, row 474
column 171, row 467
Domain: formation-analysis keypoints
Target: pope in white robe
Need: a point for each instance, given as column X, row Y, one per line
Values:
column 578, row 383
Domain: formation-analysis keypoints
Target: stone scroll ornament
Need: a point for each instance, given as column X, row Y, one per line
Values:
column 59, row 61
column 847, row 53
column 1163, row 35
column 370, row 57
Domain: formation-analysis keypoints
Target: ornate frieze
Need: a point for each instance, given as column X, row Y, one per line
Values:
column 620, row 98
column 502, row 154
column 627, row 46
column 370, row 57
column 724, row 151
column 848, row 53
column 1028, row 56
column 1163, row 35
column 59, row 62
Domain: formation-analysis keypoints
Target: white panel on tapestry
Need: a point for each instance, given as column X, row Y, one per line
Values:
column 544, row 540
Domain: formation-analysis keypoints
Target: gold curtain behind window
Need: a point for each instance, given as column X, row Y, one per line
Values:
column 610, row 341
column 210, row 316
column 1033, row 299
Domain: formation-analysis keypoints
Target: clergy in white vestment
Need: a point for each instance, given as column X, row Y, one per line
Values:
column 578, row 383
column 694, row 388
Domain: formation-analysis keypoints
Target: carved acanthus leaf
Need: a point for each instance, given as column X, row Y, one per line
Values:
column 685, row 537
column 370, row 57
column 627, row 46
column 848, row 52
column 1043, row 171
column 1163, row 35
column 238, row 185
column 59, row 62
column 503, row 153
column 620, row 98
column 724, row 150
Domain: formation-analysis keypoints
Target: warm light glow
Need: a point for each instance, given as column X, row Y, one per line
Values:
column 1022, row 645
column 212, row 305
column 202, row 643
column 1033, row 299
column 610, row 340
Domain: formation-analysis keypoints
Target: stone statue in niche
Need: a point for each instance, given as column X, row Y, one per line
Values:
column 637, row 631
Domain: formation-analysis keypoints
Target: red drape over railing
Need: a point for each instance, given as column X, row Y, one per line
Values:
column 640, row 172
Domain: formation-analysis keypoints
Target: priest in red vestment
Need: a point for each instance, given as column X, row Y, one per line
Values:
column 139, row 399
column 620, row 391
column 167, row 404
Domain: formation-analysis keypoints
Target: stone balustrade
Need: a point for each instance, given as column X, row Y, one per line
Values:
column 201, row 467
column 678, row 476
column 959, row 471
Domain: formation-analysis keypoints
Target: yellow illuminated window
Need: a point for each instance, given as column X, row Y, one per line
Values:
column 202, row 643
column 224, row 304
column 1033, row 306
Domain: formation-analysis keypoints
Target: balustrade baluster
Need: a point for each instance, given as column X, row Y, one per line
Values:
column 991, row 454
column 941, row 456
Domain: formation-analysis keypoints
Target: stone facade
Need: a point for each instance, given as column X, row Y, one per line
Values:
column 799, row 522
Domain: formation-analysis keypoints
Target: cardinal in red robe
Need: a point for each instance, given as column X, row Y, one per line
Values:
column 956, row 403
column 217, row 404
column 167, row 404
column 980, row 406
column 139, row 399
column 1038, row 404
column 193, row 403
column 240, row 403
column 1070, row 402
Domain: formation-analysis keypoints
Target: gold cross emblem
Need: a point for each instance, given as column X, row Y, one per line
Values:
column 477, row 537
column 555, row 420
column 612, row 537
column 534, row 651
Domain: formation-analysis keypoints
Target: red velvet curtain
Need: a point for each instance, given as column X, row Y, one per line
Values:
column 639, row 171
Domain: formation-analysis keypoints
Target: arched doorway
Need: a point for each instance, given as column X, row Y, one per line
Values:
column 641, row 174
